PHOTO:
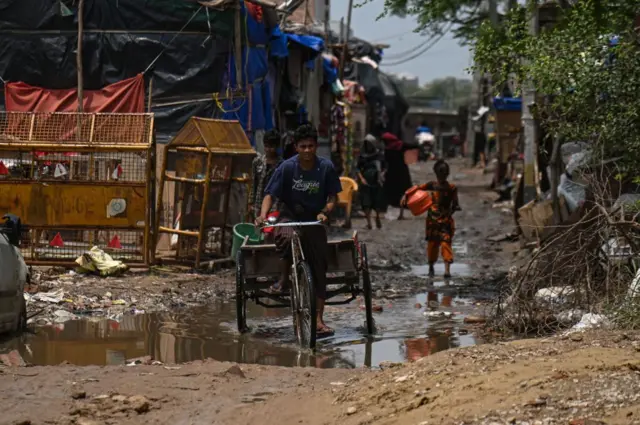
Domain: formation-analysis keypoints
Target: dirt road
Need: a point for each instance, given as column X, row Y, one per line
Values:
column 580, row 380
column 468, row 384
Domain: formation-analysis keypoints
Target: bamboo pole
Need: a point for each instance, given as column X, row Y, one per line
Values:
column 345, row 42
column 79, row 57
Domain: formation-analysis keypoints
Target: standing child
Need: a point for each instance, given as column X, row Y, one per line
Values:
column 440, row 225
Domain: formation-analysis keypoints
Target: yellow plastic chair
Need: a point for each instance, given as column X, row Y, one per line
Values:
column 346, row 197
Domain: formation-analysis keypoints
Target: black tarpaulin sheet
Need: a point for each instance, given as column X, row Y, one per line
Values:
column 379, row 89
column 38, row 44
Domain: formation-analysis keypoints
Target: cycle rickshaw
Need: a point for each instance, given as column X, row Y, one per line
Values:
column 257, row 266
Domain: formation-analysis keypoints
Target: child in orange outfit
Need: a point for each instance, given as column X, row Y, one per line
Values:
column 440, row 225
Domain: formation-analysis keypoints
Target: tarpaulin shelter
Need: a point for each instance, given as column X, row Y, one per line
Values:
column 181, row 44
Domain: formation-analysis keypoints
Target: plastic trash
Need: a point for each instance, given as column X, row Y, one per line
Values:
column 97, row 261
column 573, row 193
column 591, row 321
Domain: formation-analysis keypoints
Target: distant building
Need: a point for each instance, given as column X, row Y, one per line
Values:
column 313, row 10
column 408, row 83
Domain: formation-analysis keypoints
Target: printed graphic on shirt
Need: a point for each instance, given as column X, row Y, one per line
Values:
column 309, row 186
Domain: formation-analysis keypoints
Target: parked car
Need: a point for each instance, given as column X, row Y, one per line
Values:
column 14, row 275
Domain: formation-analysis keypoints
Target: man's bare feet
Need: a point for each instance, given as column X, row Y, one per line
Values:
column 432, row 270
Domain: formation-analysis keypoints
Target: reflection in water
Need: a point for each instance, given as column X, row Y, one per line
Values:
column 404, row 333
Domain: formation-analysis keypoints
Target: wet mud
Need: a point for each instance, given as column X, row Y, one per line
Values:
column 416, row 316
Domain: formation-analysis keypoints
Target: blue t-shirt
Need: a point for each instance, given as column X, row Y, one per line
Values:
column 304, row 192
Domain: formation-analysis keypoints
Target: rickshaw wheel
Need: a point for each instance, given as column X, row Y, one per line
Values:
column 366, row 289
column 241, row 301
column 304, row 306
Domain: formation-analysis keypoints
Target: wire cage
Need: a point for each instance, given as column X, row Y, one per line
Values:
column 203, row 190
column 78, row 180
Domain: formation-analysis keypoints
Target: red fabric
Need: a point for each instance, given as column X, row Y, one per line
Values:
column 126, row 96
column 391, row 142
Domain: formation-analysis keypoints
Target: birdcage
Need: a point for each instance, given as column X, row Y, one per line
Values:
column 203, row 190
column 78, row 180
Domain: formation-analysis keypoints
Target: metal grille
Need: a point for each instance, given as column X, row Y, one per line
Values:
column 105, row 167
column 65, row 245
column 71, row 128
column 78, row 181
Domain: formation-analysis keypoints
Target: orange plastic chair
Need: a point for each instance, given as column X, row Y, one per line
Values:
column 346, row 197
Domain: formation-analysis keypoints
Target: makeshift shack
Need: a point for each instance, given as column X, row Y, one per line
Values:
column 203, row 189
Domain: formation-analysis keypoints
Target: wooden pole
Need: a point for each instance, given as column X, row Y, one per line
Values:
column 79, row 55
column 238, row 43
column 345, row 41
column 150, row 98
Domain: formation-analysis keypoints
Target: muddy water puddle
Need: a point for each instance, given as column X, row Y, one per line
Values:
column 414, row 323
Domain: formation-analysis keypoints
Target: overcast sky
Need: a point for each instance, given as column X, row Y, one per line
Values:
column 444, row 59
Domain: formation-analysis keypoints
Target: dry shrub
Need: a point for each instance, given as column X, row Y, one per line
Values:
column 576, row 266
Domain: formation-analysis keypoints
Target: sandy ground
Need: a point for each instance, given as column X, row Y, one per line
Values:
column 584, row 379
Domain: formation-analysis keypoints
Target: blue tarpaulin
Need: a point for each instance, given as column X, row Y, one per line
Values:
column 280, row 43
column 311, row 41
column 507, row 104
column 330, row 71
column 254, row 112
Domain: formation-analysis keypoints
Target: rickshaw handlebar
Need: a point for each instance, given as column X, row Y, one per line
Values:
column 292, row 224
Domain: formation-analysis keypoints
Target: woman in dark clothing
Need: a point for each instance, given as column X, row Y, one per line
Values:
column 398, row 178
column 371, row 173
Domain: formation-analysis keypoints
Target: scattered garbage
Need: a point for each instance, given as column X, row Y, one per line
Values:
column 556, row 295
column 97, row 261
column 634, row 287
column 590, row 321
column 12, row 359
column 573, row 193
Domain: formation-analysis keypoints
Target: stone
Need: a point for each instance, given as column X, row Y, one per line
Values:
column 79, row 395
column 351, row 410
column 475, row 319
column 576, row 337
column 145, row 360
column 235, row 370
column 118, row 398
column 377, row 308
column 139, row 403
column 85, row 421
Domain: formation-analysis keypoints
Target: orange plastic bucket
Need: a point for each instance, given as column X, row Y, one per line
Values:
column 418, row 201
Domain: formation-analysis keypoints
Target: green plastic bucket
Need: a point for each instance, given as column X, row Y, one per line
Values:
column 240, row 232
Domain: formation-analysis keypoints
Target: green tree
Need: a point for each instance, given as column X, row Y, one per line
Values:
column 453, row 92
column 589, row 86
column 462, row 17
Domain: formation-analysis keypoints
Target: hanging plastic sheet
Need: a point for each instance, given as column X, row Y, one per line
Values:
column 125, row 96
column 190, row 66
column 281, row 42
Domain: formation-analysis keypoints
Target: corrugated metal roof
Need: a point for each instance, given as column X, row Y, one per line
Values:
column 220, row 136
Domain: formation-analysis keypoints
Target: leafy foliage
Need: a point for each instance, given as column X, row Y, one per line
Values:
column 453, row 92
column 436, row 16
column 588, row 86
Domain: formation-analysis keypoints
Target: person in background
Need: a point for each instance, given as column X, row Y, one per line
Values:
column 440, row 225
column 371, row 173
column 263, row 168
column 398, row 178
